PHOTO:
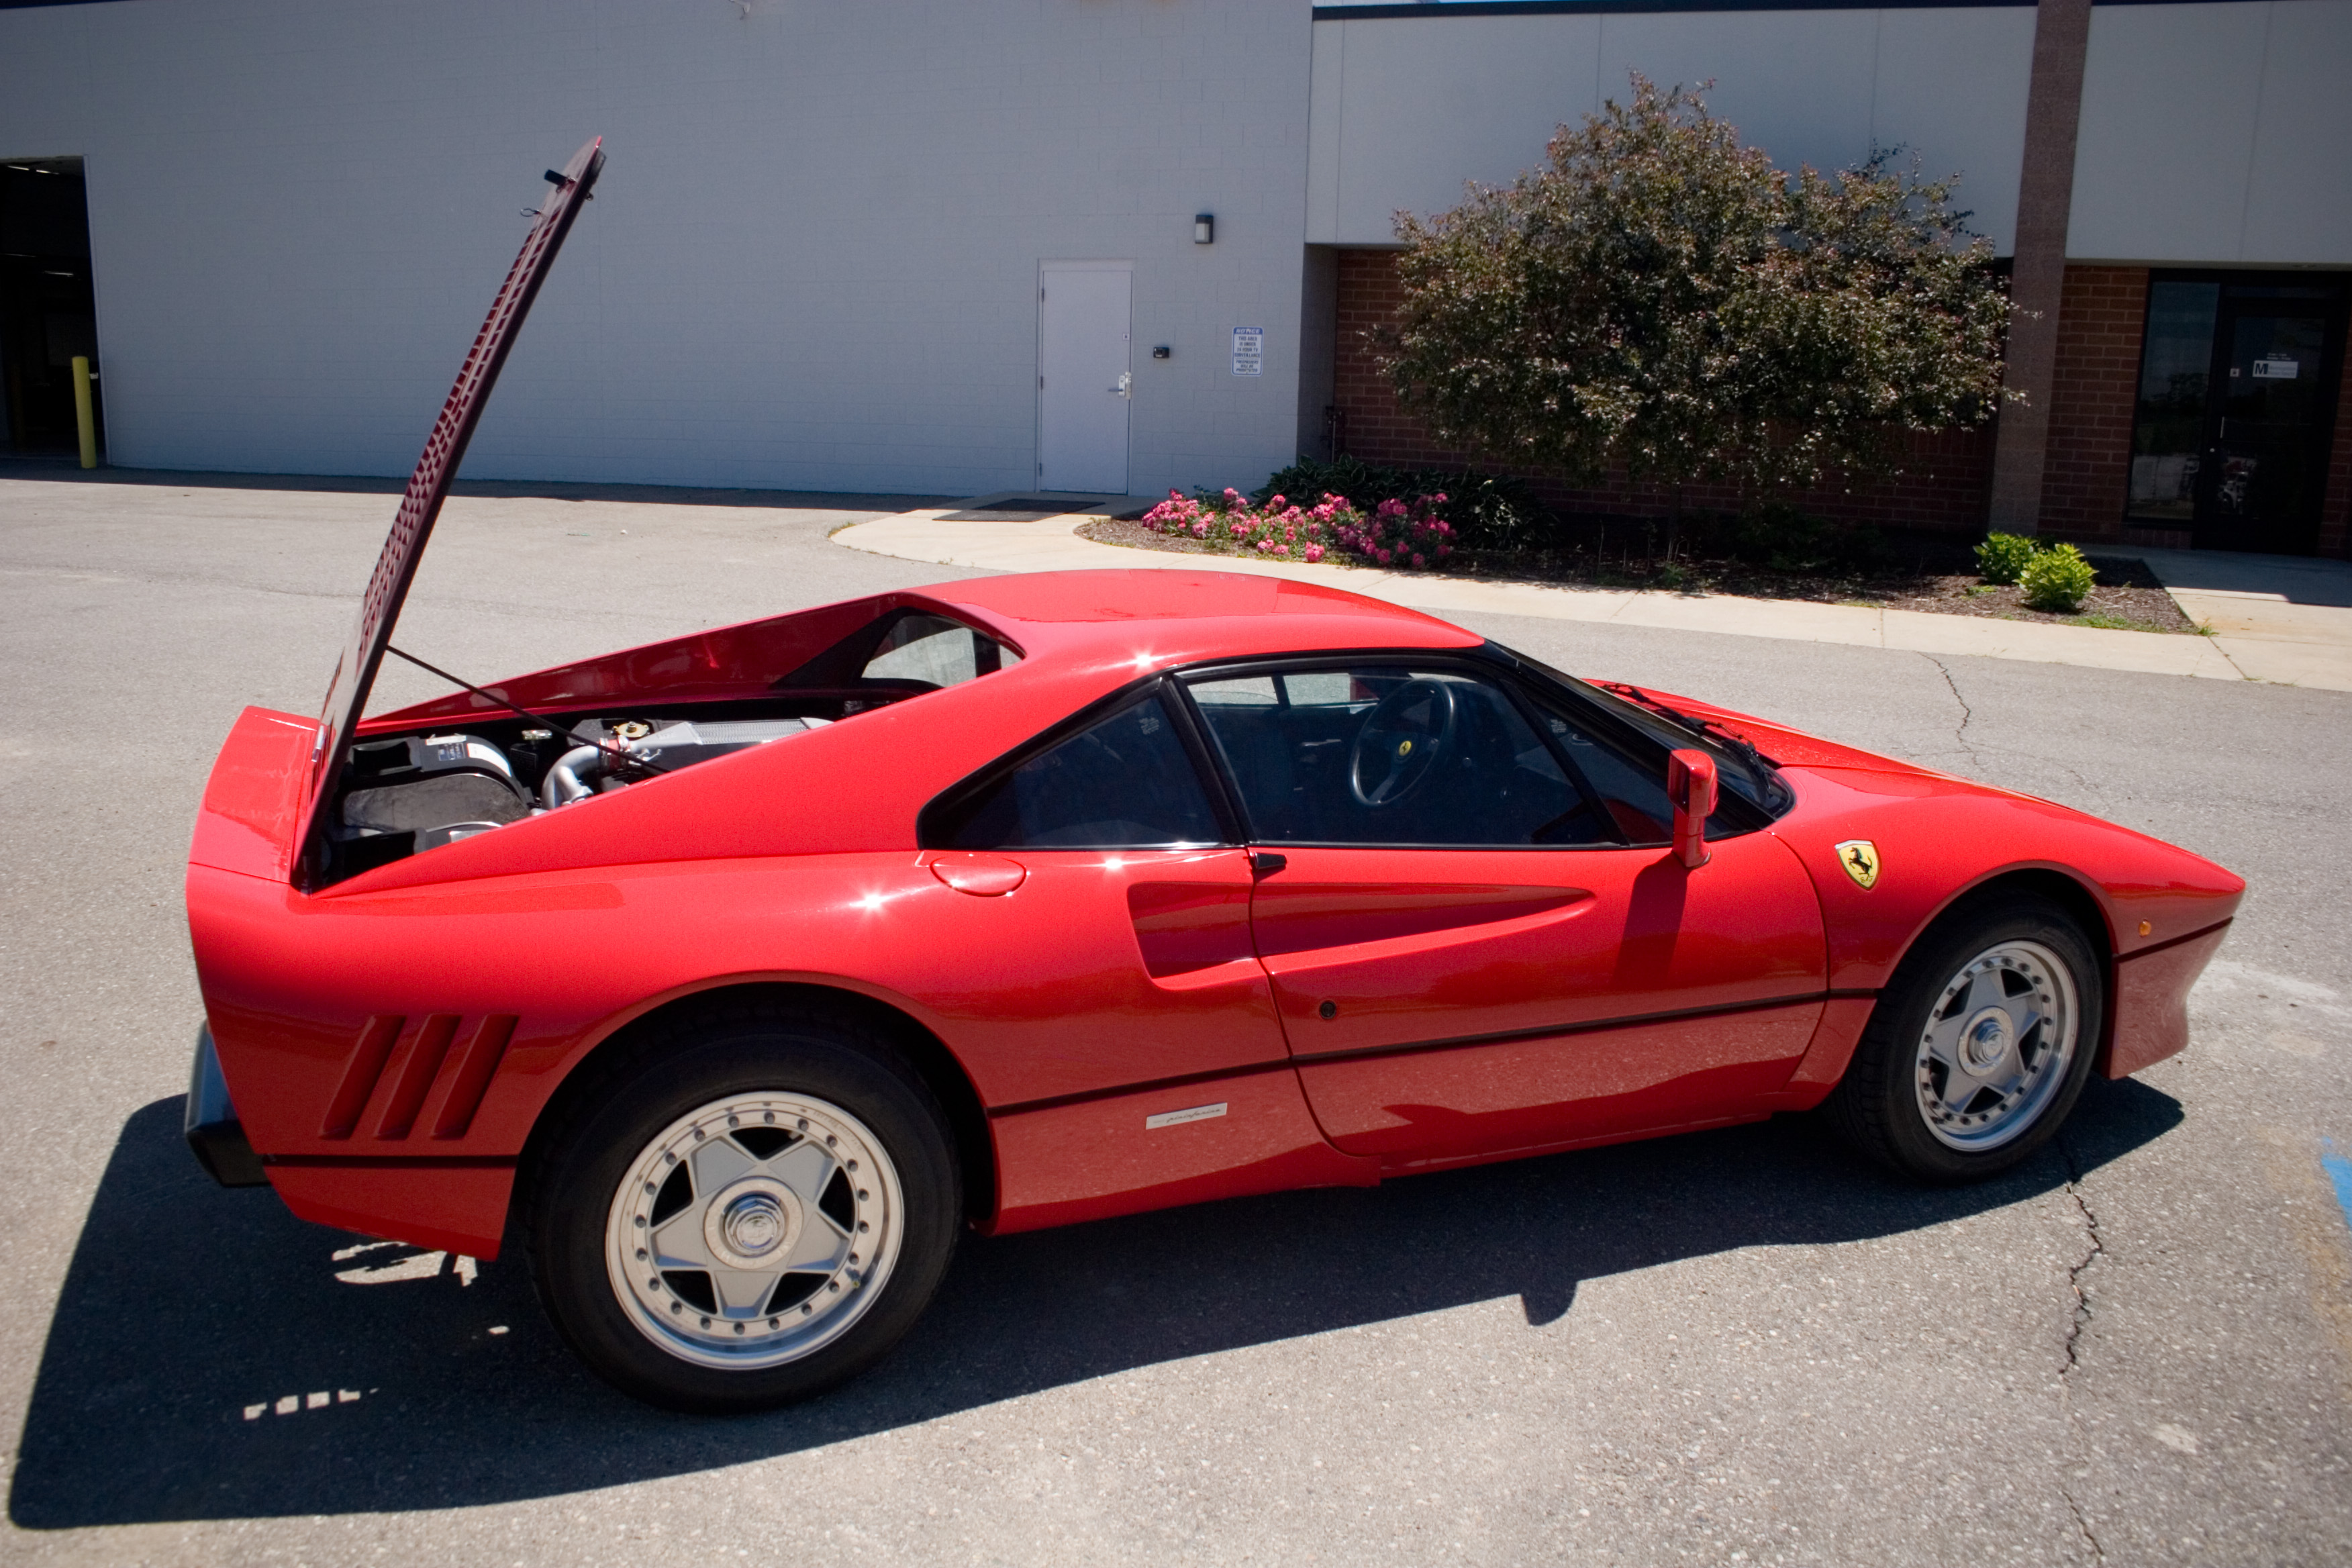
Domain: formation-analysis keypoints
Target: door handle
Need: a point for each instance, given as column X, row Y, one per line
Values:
column 982, row 875
column 1126, row 380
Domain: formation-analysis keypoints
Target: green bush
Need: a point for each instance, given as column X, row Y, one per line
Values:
column 1486, row 510
column 2057, row 579
column 1780, row 536
column 2003, row 557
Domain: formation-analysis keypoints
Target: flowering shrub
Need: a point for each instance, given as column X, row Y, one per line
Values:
column 1396, row 534
column 1393, row 534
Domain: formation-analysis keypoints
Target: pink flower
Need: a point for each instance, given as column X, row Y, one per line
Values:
column 1276, row 504
column 1313, row 553
column 1382, row 556
column 1419, row 560
column 1282, row 550
column 1201, row 530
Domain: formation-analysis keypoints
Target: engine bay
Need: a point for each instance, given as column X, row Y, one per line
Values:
column 402, row 794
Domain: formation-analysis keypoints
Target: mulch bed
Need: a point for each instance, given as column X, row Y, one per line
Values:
column 1932, row 573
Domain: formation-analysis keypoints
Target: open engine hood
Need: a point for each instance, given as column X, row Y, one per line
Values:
column 347, row 692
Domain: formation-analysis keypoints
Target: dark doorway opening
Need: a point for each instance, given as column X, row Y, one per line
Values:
column 2237, row 406
column 48, row 312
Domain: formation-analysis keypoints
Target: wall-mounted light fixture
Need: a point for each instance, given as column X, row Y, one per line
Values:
column 1204, row 229
column 1161, row 351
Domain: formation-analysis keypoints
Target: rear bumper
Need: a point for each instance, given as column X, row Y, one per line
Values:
column 215, row 1135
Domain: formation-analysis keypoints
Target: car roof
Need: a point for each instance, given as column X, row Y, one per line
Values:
column 1159, row 616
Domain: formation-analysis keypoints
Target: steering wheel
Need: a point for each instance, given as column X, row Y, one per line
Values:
column 1404, row 738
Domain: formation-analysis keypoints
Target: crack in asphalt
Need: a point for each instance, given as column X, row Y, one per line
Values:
column 2084, row 1525
column 2080, row 1318
column 1960, row 730
column 2098, row 1249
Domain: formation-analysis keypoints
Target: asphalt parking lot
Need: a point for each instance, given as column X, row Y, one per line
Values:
column 1735, row 1347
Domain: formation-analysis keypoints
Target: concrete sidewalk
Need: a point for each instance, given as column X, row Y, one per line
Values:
column 2284, row 618
column 2266, row 628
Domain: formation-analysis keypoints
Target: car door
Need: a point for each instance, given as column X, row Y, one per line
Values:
column 1478, row 936
column 1110, row 1002
column 1104, row 941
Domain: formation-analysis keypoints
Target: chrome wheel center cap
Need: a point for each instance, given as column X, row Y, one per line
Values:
column 1986, row 1041
column 754, row 1223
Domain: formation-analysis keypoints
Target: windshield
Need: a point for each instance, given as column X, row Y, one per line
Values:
column 1738, row 764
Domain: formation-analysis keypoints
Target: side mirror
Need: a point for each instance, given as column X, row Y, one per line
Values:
column 1690, row 785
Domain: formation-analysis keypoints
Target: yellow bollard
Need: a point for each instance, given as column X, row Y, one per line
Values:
column 84, row 419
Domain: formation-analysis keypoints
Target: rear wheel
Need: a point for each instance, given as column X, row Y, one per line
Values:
column 1979, row 1044
column 746, row 1211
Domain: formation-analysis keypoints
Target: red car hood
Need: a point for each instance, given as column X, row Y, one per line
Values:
column 1940, row 834
column 1781, row 746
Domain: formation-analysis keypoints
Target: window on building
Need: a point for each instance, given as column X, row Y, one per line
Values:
column 2168, row 433
column 2239, row 374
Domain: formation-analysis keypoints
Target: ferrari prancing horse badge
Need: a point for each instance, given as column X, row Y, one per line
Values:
column 1860, row 858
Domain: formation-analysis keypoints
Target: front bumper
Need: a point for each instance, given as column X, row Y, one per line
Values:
column 214, row 1133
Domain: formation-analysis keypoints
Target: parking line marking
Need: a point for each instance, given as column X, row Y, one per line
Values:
column 2339, row 1174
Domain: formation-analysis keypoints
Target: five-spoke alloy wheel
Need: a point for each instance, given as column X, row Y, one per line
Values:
column 754, row 1230
column 746, row 1206
column 1979, row 1044
column 1997, row 1046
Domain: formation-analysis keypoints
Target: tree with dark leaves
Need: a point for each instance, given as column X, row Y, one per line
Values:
column 1659, row 298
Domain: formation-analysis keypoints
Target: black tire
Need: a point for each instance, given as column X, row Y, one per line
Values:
column 739, row 1056
column 1882, row 1105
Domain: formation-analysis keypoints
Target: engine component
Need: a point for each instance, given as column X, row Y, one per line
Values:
column 433, row 838
column 431, row 786
column 586, row 770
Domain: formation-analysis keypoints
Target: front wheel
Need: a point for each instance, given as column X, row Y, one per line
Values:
column 745, row 1214
column 1978, row 1046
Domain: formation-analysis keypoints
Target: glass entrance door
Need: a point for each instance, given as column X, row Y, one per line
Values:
column 2237, row 403
column 2266, row 462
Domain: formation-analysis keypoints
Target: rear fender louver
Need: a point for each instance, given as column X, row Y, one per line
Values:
column 422, row 1073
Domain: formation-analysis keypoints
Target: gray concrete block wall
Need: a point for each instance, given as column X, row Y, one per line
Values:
column 2216, row 133
column 813, row 261
column 1408, row 107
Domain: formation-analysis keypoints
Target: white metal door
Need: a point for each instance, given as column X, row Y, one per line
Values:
column 1083, row 377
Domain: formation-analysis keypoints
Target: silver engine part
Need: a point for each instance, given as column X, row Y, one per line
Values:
column 439, row 788
column 587, row 770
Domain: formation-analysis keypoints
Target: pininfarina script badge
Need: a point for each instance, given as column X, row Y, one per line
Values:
column 1860, row 858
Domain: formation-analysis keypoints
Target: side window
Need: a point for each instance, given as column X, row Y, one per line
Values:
column 1123, row 782
column 1635, row 799
column 1392, row 754
column 935, row 651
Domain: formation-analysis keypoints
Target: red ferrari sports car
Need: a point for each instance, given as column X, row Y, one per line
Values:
column 738, row 973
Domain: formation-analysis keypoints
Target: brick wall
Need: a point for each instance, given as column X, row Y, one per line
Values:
column 2336, row 508
column 1945, row 485
column 2087, row 471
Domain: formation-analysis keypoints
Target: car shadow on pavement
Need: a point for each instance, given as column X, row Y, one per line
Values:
column 213, row 1357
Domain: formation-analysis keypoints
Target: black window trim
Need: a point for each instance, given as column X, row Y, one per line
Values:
column 943, row 814
column 1750, row 817
column 936, row 823
column 1493, row 663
